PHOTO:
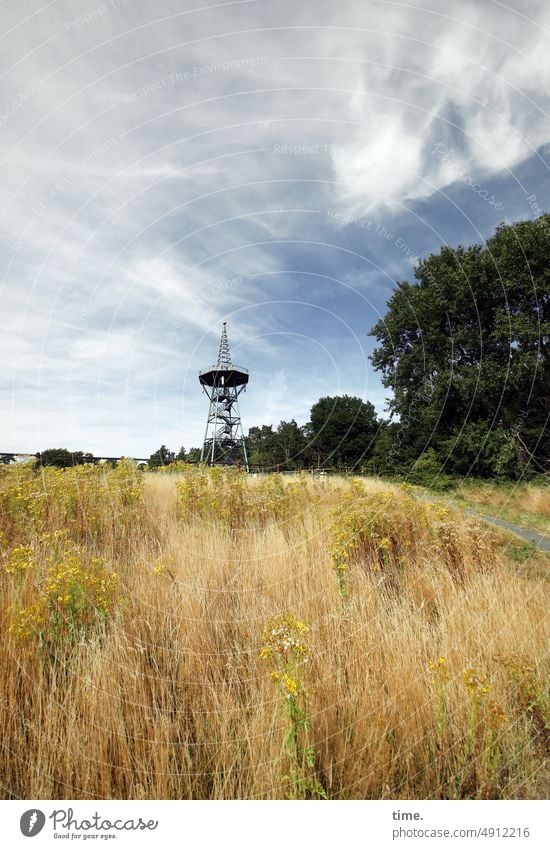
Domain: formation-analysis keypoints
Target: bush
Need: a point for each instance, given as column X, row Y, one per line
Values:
column 428, row 471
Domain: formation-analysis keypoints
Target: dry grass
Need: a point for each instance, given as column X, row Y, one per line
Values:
column 523, row 504
column 167, row 697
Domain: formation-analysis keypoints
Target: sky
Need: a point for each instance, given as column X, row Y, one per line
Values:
column 167, row 166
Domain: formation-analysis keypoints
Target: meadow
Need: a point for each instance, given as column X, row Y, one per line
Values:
column 525, row 504
column 211, row 635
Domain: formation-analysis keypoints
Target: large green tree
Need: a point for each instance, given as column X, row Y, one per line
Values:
column 342, row 431
column 465, row 351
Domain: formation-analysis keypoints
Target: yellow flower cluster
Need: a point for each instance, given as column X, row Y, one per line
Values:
column 69, row 598
column 81, row 499
column 476, row 683
column 405, row 486
column 290, row 685
column 439, row 669
column 283, row 638
column 388, row 531
column 125, row 484
column 496, row 716
column 285, row 650
column 28, row 622
column 20, row 559
column 229, row 496
column 81, row 587
column 486, row 721
column 529, row 685
column 364, row 527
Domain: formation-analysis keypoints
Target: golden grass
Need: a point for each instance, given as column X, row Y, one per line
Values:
column 168, row 697
column 523, row 504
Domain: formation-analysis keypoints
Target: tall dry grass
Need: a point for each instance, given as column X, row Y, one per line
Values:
column 526, row 504
column 427, row 680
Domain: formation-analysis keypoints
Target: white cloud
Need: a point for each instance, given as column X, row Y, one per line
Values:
column 129, row 206
column 473, row 75
column 384, row 166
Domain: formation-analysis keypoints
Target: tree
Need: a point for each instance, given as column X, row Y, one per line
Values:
column 181, row 455
column 193, row 455
column 62, row 458
column 261, row 446
column 162, row 457
column 290, row 443
column 342, row 431
column 468, row 345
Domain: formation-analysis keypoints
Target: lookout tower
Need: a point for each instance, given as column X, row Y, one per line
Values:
column 223, row 383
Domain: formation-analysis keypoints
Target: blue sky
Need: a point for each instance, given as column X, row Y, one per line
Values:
column 167, row 166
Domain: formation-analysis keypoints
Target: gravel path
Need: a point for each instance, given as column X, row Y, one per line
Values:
column 540, row 540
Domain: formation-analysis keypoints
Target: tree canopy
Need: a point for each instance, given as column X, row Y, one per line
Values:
column 342, row 431
column 62, row 458
column 284, row 447
column 162, row 457
column 465, row 352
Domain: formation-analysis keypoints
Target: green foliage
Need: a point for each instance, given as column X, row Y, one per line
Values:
column 342, row 431
column 469, row 343
column 523, row 553
column 427, row 471
column 63, row 459
column 482, row 451
column 291, row 444
column 260, row 446
column 283, row 448
column 162, row 457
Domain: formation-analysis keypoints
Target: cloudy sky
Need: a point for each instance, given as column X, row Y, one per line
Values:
column 167, row 165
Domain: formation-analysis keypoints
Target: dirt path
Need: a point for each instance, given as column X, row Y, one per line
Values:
column 539, row 539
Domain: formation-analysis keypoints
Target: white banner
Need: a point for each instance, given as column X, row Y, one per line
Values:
column 253, row 824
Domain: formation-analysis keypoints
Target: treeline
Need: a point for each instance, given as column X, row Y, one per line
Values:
column 464, row 351
column 60, row 457
column 341, row 434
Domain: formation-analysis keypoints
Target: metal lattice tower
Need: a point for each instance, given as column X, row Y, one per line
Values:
column 223, row 383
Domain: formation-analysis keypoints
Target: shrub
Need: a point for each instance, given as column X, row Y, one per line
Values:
column 428, row 472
